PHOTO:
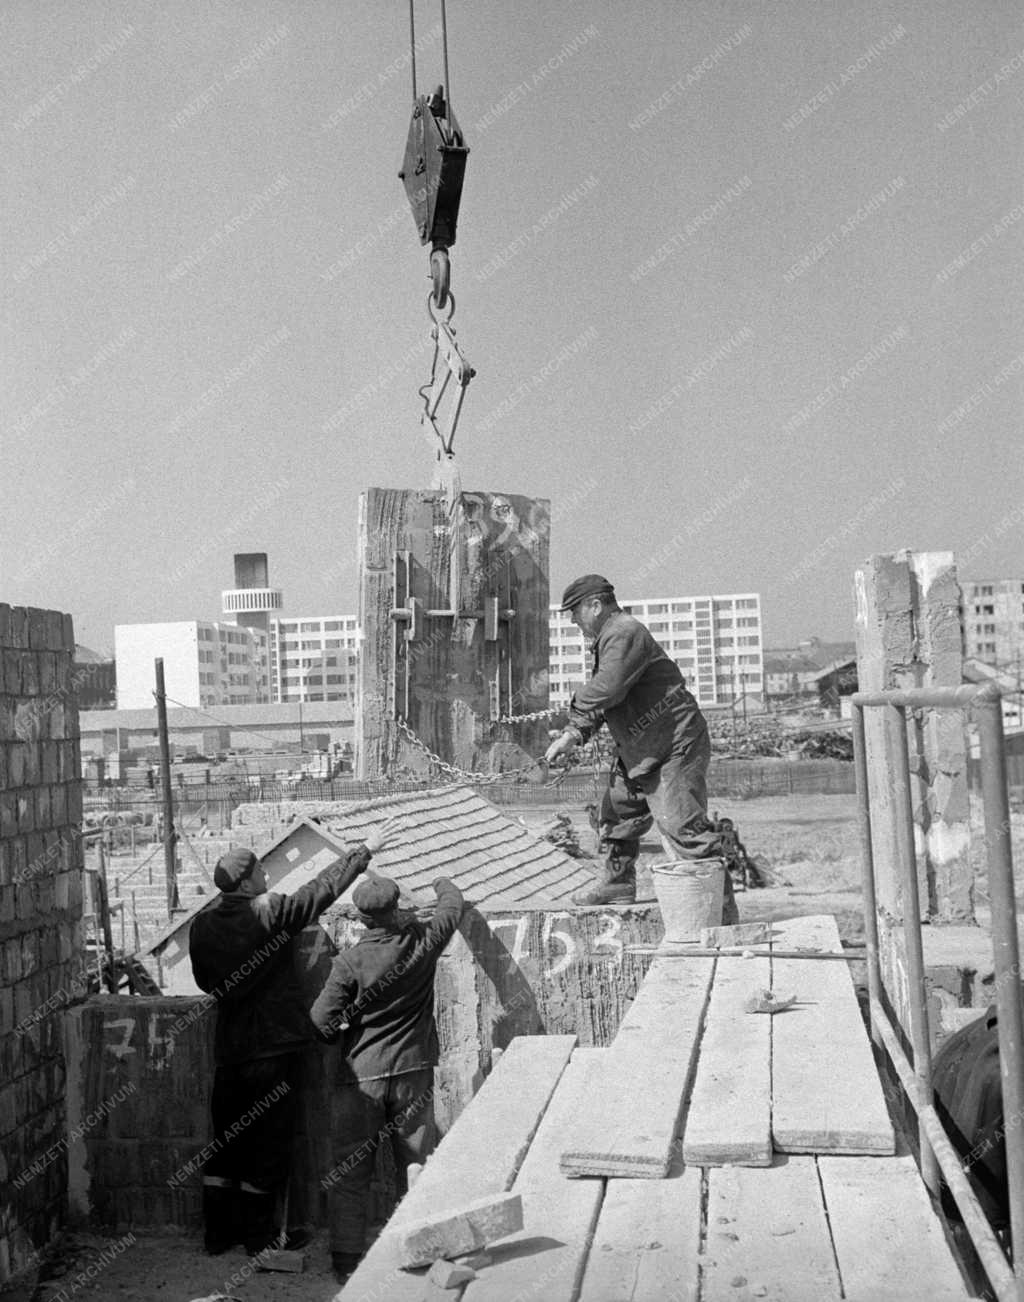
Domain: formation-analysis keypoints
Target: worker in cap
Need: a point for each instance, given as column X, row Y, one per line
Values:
column 662, row 747
column 380, row 992
column 242, row 948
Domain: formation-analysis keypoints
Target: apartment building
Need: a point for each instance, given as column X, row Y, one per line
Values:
column 715, row 640
column 205, row 664
column 993, row 615
column 313, row 658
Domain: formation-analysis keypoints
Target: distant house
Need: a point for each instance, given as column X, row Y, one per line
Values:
column 94, row 679
column 835, row 684
column 793, row 671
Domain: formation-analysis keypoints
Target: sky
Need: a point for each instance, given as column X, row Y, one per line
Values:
column 741, row 284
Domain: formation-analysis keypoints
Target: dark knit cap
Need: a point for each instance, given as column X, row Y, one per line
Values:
column 589, row 585
column 233, row 868
column 375, row 895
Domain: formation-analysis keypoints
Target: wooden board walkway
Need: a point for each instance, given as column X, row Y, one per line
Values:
column 831, row 1226
column 826, row 1093
column 730, row 1114
column 547, row 1257
column 480, row 1155
column 651, row 1059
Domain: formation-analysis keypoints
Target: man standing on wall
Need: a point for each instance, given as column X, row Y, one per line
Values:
column 242, row 953
column 661, row 740
column 381, row 992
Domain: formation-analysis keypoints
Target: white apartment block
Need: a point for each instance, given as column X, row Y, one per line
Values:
column 994, row 621
column 205, row 664
column 715, row 640
column 313, row 658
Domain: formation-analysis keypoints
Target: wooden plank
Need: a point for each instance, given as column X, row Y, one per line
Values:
column 826, row 1093
column 737, row 933
column 445, row 1235
column 546, row 1259
column 480, row 1155
column 729, row 1119
column 647, row 1242
column 888, row 1241
column 768, row 1237
column 629, row 1126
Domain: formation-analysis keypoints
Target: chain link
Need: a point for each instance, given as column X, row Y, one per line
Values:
column 479, row 778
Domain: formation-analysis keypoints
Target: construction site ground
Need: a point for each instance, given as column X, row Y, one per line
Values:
column 811, row 842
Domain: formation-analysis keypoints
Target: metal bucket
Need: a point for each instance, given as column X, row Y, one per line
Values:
column 690, row 893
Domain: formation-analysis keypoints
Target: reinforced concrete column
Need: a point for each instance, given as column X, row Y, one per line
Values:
column 909, row 634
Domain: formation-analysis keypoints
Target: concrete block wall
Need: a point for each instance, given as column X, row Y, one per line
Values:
column 40, row 920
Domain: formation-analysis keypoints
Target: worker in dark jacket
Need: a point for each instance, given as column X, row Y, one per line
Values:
column 381, row 993
column 243, row 953
column 661, row 741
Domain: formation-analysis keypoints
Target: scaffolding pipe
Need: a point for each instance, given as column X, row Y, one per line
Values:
column 1006, row 953
column 990, row 1253
column 918, row 988
column 860, row 766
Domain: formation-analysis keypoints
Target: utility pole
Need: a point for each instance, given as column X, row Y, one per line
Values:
column 170, row 866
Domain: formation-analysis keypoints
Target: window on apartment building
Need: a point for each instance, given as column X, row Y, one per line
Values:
column 333, row 626
column 309, row 626
column 725, row 641
column 725, row 621
column 627, row 610
column 315, row 680
column 680, row 607
column 683, row 644
column 746, row 603
column 574, row 668
column 986, row 590
column 334, row 642
column 984, row 648
column 988, row 628
column 658, row 626
column 310, row 646
column 746, row 623
column 748, row 660
column 658, row 608
column 335, row 678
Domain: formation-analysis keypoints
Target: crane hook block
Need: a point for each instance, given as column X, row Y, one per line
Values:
column 433, row 168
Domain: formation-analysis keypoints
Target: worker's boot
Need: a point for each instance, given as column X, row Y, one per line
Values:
column 344, row 1265
column 616, row 883
column 222, row 1226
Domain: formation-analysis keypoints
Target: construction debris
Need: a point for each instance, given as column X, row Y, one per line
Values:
column 454, row 1233
column 741, row 933
column 560, row 832
column 449, row 1274
column 767, row 1002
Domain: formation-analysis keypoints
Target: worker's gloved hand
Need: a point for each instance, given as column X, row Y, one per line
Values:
column 562, row 745
column 381, row 837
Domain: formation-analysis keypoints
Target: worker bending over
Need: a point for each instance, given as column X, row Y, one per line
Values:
column 661, row 743
column 381, row 993
column 243, row 953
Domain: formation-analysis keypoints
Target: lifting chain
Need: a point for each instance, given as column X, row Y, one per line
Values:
column 479, row 778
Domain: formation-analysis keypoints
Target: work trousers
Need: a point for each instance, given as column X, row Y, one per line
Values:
column 254, row 1108
column 395, row 1109
column 674, row 797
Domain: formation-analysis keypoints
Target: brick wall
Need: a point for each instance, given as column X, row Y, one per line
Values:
column 40, row 921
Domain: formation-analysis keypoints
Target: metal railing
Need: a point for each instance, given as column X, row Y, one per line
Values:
column 937, row 1151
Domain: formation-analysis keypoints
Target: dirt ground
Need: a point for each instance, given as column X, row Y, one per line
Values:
column 809, row 842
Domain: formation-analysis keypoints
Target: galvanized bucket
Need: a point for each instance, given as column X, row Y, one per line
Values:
column 690, row 894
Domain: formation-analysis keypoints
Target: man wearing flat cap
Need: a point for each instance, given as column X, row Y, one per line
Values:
column 381, row 994
column 661, row 742
column 242, row 948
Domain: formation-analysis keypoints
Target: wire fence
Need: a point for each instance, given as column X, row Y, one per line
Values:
column 213, row 805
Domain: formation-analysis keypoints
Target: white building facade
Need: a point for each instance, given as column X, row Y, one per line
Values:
column 313, row 658
column 716, row 641
column 205, row 664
